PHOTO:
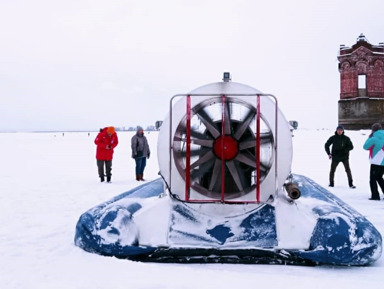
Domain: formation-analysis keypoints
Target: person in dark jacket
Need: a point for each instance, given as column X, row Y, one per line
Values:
column 140, row 152
column 105, row 141
column 375, row 145
column 341, row 145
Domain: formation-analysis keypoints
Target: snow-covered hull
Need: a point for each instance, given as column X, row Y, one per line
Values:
column 148, row 225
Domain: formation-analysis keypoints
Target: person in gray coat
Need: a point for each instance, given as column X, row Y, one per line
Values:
column 140, row 152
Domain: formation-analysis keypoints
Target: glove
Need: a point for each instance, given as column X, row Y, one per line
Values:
column 330, row 156
column 148, row 156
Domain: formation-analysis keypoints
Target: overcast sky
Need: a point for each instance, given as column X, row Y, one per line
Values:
column 85, row 64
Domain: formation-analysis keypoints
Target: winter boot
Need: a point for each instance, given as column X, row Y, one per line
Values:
column 141, row 178
column 108, row 179
column 101, row 179
column 137, row 177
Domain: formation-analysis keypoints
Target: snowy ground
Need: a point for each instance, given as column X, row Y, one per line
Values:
column 47, row 180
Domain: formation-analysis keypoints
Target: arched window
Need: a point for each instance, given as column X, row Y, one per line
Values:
column 362, row 85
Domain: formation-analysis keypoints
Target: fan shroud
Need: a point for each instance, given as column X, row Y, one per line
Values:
column 204, row 115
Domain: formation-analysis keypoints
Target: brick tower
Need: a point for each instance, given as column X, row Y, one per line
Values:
column 361, row 70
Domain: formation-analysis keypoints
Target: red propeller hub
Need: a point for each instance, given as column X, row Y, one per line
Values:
column 225, row 147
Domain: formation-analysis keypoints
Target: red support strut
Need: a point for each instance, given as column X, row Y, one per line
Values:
column 188, row 150
column 222, row 148
column 258, row 149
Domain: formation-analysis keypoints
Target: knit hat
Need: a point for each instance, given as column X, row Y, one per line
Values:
column 139, row 128
column 376, row 126
column 111, row 130
column 340, row 127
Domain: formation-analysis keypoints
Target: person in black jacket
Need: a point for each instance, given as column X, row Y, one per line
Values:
column 341, row 145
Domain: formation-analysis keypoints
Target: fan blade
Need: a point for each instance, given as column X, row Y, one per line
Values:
column 196, row 138
column 208, row 123
column 194, row 134
column 202, row 142
column 203, row 159
column 247, row 144
column 251, row 162
column 235, row 175
column 215, row 174
column 244, row 125
column 202, row 170
column 198, row 135
column 246, row 160
column 227, row 120
column 193, row 153
column 252, row 143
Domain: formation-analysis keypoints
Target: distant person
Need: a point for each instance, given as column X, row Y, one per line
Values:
column 341, row 145
column 140, row 152
column 375, row 145
column 105, row 141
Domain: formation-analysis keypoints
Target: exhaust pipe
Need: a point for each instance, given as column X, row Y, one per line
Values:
column 292, row 190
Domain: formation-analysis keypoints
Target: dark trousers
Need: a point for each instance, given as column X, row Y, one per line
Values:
column 140, row 165
column 376, row 177
column 334, row 165
column 108, row 168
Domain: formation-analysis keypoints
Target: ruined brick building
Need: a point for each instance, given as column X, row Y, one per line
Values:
column 361, row 70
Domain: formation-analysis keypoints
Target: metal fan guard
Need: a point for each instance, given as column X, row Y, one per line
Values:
column 240, row 165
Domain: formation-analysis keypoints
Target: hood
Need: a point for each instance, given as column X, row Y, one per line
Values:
column 379, row 134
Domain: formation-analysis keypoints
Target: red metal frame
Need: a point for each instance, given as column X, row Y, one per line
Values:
column 188, row 150
column 222, row 149
column 257, row 153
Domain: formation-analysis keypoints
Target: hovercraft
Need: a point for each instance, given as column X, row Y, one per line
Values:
column 227, row 194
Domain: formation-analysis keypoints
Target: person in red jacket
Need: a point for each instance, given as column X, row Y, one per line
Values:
column 105, row 141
